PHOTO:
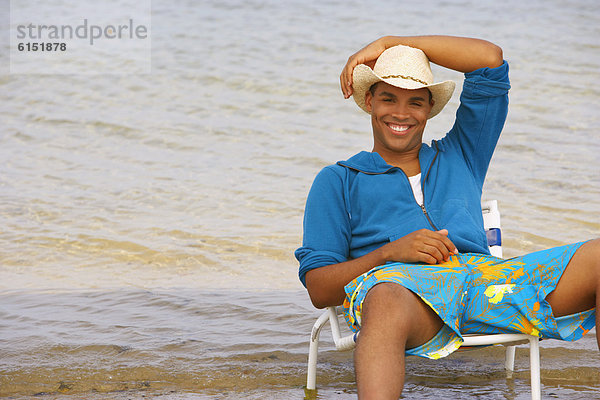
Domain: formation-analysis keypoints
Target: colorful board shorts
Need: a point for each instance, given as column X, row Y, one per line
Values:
column 478, row 293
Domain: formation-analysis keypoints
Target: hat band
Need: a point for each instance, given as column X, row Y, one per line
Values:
column 404, row 77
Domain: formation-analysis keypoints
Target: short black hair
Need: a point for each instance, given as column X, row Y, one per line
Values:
column 374, row 86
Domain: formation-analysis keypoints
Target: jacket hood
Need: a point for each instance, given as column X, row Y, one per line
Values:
column 372, row 163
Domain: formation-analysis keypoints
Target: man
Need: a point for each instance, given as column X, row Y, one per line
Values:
column 396, row 234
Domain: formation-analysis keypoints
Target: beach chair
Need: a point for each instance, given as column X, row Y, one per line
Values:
column 491, row 219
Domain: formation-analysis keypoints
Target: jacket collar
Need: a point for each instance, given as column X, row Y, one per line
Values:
column 372, row 163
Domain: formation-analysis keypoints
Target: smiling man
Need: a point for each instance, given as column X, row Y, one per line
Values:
column 396, row 234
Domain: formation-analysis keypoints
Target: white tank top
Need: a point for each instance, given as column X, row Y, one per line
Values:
column 415, row 183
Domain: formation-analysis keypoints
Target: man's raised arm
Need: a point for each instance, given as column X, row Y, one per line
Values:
column 458, row 53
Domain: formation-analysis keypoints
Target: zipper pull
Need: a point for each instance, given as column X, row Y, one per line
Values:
column 427, row 216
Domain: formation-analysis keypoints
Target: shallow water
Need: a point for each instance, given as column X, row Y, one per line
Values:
column 148, row 221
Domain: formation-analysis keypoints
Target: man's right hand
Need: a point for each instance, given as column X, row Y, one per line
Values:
column 424, row 245
column 367, row 55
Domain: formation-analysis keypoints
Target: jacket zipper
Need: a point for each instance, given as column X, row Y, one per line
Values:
column 423, row 190
column 422, row 185
column 427, row 215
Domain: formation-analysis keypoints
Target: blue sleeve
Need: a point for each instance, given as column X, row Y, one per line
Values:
column 327, row 230
column 480, row 117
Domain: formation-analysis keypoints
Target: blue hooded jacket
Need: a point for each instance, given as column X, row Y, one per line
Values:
column 358, row 205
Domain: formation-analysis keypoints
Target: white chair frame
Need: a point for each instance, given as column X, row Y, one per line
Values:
column 491, row 217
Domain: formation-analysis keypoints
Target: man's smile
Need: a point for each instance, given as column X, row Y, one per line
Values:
column 398, row 128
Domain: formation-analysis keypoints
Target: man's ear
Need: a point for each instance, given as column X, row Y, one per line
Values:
column 368, row 98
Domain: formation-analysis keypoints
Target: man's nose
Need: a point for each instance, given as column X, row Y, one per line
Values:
column 400, row 111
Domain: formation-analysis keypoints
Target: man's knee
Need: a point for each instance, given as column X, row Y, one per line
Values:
column 392, row 302
column 592, row 253
column 579, row 284
column 387, row 296
column 593, row 246
column 392, row 308
column 588, row 259
column 386, row 312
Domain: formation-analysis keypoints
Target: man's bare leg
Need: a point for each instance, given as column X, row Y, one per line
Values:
column 579, row 287
column 393, row 319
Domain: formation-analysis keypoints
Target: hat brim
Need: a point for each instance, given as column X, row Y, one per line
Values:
column 363, row 78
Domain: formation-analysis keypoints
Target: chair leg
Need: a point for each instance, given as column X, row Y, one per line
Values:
column 509, row 361
column 534, row 365
column 311, row 375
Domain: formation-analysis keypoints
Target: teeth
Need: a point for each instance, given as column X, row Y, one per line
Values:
column 398, row 128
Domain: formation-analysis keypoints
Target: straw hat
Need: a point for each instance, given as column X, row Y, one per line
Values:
column 404, row 67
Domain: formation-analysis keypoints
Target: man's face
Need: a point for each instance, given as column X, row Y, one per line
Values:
column 398, row 117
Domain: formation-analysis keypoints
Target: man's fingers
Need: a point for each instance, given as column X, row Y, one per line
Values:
column 367, row 55
column 435, row 251
column 427, row 258
column 447, row 242
column 346, row 78
column 423, row 245
column 344, row 83
column 440, row 242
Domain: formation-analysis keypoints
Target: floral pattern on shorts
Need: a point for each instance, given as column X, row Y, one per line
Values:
column 478, row 293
